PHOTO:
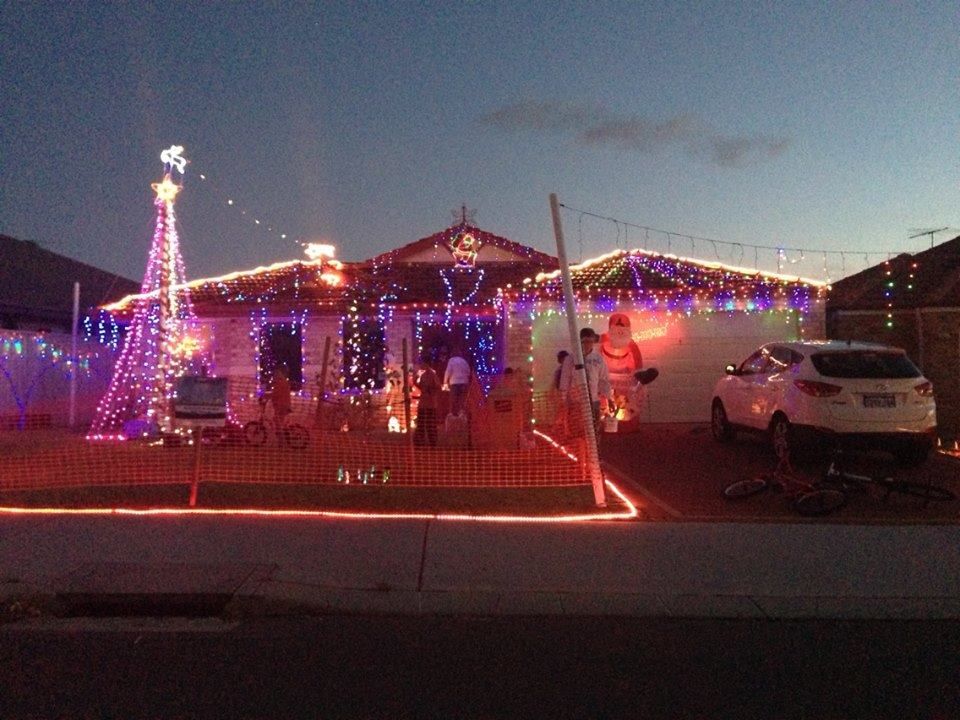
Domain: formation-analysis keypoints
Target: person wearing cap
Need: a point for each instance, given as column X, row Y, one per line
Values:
column 598, row 378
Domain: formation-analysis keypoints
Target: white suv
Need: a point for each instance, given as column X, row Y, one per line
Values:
column 833, row 389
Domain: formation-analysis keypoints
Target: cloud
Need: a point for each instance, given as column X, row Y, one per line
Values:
column 595, row 125
column 542, row 116
column 741, row 151
column 638, row 133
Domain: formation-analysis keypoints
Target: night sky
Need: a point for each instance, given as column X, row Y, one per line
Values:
column 815, row 125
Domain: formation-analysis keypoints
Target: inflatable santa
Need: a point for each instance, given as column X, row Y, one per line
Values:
column 627, row 376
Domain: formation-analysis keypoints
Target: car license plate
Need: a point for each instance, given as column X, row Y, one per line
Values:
column 879, row 401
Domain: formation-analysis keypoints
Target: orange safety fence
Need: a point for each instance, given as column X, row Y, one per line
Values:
column 508, row 437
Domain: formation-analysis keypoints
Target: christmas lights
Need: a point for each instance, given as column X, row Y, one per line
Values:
column 160, row 341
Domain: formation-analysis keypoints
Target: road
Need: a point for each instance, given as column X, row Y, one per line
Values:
column 457, row 667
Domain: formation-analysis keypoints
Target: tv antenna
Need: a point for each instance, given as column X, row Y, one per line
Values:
column 925, row 231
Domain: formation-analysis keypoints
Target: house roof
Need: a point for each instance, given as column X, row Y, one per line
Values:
column 640, row 272
column 926, row 279
column 36, row 285
column 435, row 249
column 296, row 283
column 425, row 271
column 422, row 272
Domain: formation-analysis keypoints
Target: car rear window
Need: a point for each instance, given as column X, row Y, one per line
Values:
column 864, row 364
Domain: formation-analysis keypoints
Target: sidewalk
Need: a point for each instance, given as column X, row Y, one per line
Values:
column 260, row 565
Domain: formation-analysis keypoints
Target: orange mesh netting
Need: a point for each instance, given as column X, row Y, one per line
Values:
column 509, row 437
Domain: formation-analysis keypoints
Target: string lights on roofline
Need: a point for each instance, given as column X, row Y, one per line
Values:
column 783, row 256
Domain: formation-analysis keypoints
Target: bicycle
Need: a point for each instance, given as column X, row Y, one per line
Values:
column 292, row 435
column 836, row 474
column 809, row 499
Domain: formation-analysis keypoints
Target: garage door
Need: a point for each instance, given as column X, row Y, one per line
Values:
column 690, row 352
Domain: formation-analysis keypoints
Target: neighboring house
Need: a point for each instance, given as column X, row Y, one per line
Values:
column 36, row 287
column 913, row 302
column 36, row 317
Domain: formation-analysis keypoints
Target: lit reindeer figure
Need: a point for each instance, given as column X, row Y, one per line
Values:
column 172, row 157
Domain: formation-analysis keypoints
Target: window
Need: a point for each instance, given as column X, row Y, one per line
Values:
column 756, row 364
column 783, row 358
column 280, row 346
column 363, row 352
column 867, row 364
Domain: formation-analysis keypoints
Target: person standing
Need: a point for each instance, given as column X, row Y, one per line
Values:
column 598, row 378
column 561, row 356
column 457, row 378
column 280, row 395
column 429, row 385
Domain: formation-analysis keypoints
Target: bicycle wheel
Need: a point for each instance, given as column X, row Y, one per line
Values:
column 745, row 488
column 819, row 502
column 920, row 490
column 295, row 436
column 255, row 433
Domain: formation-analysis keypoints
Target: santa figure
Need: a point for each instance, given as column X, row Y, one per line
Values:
column 627, row 376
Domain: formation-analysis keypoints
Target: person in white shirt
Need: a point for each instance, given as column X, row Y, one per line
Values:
column 598, row 378
column 457, row 378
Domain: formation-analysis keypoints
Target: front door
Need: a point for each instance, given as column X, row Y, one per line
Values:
column 480, row 339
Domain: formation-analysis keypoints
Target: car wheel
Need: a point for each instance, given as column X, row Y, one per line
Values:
column 781, row 436
column 912, row 454
column 719, row 425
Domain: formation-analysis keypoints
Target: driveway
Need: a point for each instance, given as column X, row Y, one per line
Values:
column 678, row 471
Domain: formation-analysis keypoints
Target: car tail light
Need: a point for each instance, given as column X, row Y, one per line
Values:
column 817, row 389
column 925, row 389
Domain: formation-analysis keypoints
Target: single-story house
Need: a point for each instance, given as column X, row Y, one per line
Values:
column 910, row 301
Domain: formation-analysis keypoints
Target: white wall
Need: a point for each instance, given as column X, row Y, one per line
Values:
column 690, row 352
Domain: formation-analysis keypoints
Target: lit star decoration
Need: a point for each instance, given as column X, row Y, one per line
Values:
column 160, row 342
column 166, row 190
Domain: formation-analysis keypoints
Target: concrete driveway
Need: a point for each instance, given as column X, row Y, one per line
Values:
column 678, row 471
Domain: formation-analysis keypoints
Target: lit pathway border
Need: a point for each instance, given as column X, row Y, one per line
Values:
column 629, row 511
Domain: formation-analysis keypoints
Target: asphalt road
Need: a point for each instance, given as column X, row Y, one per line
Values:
column 383, row 667
column 678, row 472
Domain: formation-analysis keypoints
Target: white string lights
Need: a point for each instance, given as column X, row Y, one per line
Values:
column 249, row 214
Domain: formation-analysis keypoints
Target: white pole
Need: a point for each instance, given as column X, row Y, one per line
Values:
column 74, row 366
column 580, row 373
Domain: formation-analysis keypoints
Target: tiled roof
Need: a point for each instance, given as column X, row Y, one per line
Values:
column 36, row 285
column 290, row 284
column 398, row 276
column 639, row 272
column 926, row 279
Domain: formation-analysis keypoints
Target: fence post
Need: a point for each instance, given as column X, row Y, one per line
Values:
column 579, row 375
column 195, row 483
column 318, row 421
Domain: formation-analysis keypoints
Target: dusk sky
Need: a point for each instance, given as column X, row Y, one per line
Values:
column 827, row 126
